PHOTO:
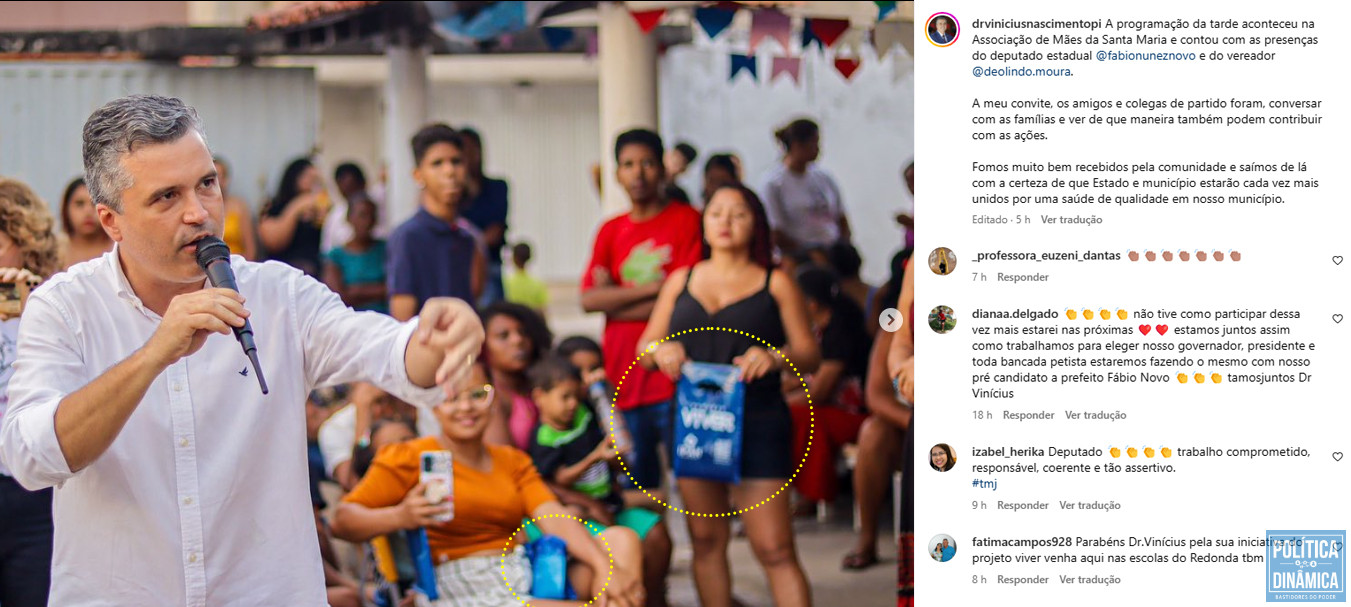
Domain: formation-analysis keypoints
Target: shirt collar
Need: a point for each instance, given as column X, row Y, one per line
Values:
column 118, row 278
column 120, row 284
column 433, row 222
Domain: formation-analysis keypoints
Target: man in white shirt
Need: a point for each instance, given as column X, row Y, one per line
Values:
column 177, row 481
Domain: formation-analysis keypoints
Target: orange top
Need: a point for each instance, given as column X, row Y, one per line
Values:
column 489, row 506
column 234, row 233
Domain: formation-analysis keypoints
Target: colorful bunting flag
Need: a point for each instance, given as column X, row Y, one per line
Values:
column 744, row 62
column 887, row 35
column 786, row 65
column 557, row 37
column 884, row 9
column 770, row 23
column 714, row 19
column 648, row 20
column 851, row 43
column 808, row 38
column 846, row 67
column 829, row 30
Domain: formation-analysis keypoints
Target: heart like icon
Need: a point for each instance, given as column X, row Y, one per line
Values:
column 1161, row 329
column 1337, row 456
column 1144, row 329
column 1337, row 318
column 1337, row 260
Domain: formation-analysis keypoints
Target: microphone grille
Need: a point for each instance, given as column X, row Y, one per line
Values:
column 211, row 249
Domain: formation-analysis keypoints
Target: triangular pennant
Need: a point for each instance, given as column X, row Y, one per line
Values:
column 714, row 19
column 770, row 23
column 648, row 20
column 887, row 35
column 743, row 62
column 828, row 30
column 846, row 67
column 850, row 43
column 786, row 65
column 808, row 38
column 884, row 9
column 557, row 37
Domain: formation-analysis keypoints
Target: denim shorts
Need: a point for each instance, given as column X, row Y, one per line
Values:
column 649, row 425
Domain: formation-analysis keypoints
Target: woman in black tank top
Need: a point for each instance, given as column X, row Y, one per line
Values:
column 736, row 287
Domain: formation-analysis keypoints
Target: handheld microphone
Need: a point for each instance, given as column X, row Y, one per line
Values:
column 213, row 255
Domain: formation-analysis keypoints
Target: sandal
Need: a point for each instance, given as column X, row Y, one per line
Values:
column 858, row 561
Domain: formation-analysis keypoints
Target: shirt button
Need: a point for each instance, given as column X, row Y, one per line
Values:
column 192, row 558
column 178, row 387
column 187, row 501
column 183, row 442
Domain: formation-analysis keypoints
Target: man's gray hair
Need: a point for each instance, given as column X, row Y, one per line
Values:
column 118, row 128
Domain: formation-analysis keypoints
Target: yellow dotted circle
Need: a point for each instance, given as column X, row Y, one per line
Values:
column 811, row 421
column 609, row 556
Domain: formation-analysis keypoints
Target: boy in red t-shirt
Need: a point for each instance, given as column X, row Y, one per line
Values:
column 632, row 256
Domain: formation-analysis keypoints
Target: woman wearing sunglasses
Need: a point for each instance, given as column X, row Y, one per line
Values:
column 495, row 488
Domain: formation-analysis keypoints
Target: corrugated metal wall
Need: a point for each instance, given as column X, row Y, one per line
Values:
column 258, row 119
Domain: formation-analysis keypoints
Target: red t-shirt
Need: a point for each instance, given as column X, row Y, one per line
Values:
column 634, row 254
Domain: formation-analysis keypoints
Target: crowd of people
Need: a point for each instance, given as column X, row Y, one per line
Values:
column 542, row 443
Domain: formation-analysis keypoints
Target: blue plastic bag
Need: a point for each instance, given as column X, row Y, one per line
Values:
column 549, row 567
column 710, row 407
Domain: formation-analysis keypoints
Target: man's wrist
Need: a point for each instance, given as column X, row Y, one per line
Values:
column 148, row 358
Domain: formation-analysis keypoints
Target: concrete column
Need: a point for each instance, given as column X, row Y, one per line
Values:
column 628, row 90
column 405, row 101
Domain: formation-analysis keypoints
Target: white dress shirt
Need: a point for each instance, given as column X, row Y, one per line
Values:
column 203, row 497
column 9, row 335
column 337, row 437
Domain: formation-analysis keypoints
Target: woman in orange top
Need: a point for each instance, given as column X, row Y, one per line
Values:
column 495, row 488
column 239, row 233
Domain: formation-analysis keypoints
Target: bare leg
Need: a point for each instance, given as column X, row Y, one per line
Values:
column 626, row 550
column 656, row 564
column 878, row 451
column 769, row 528
column 709, row 537
column 581, row 577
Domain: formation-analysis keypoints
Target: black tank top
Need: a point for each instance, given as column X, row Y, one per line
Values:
column 757, row 314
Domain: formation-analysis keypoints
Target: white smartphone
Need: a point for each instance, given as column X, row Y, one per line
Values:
column 437, row 474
